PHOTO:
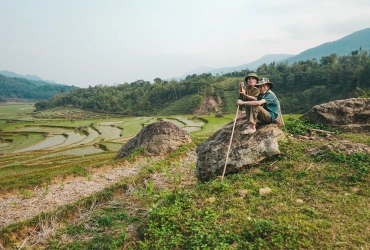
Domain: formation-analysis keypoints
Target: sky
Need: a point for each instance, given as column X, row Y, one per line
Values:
column 86, row 43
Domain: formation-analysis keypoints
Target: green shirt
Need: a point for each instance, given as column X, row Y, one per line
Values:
column 271, row 105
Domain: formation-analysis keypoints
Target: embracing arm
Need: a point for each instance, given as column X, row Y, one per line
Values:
column 251, row 103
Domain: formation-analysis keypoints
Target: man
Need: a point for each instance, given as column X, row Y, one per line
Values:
column 265, row 109
column 248, row 93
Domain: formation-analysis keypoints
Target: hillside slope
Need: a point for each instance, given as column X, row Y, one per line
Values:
column 13, row 87
column 343, row 46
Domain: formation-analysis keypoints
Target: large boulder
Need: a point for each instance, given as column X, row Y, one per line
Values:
column 156, row 139
column 352, row 115
column 245, row 150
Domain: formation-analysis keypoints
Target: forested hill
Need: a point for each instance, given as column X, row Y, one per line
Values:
column 344, row 46
column 20, row 88
column 299, row 87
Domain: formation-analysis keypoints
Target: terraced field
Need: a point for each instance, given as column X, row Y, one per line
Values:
column 36, row 147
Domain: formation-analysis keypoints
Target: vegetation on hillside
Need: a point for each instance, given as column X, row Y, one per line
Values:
column 20, row 88
column 299, row 87
column 317, row 202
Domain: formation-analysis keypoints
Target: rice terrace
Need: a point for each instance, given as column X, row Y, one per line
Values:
column 62, row 188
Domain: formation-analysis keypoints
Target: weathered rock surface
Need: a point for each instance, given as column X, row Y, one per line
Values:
column 245, row 150
column 345, row 147
column 351, row 115
column 157, row 138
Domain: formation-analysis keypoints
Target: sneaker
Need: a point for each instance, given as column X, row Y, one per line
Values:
column 248, row 131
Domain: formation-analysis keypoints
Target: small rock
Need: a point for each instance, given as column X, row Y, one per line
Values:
column 299, row 200
column 265, row 191
column 242, row 192
column 211, row 199
column 304, row 137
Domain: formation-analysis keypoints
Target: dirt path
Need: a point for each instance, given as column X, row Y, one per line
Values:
column 17, row 207
column 26, row 204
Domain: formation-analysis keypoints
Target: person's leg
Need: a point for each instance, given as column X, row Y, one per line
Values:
column 240, row 112
column 263, row 115
column 256, row 113
column 251, row 115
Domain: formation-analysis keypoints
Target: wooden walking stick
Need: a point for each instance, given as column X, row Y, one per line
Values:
column 231, row 139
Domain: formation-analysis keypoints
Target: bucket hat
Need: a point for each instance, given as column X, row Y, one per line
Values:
column 265, row 81
column 251, row 75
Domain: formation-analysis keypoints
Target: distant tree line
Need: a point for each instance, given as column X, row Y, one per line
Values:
column 299, row 87
column 137, row 98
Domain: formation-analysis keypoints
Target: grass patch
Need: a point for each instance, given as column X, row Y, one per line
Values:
column 307, row 208
column 184, row 105
column 301, row 127
column 319, row 202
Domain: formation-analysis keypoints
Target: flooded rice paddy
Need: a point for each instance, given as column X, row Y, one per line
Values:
column 55, row 139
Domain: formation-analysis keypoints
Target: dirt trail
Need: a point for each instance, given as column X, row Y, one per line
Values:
column 17, row 207
column 26, row 204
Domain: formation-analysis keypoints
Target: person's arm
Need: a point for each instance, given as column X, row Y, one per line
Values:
column 241, row 88
column 251, row 98
column 251, row 103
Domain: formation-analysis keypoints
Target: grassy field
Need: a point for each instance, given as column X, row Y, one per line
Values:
column 73, row 147
column 316, row 202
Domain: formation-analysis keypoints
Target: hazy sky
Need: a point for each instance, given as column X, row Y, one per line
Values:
column 86, row 43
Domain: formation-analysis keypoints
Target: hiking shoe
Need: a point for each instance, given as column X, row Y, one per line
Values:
column 249, row 131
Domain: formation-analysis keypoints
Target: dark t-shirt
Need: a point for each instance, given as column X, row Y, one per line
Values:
column 271, row 105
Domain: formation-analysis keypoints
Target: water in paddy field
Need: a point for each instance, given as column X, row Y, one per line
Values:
column 48, row 143
column 108, row 132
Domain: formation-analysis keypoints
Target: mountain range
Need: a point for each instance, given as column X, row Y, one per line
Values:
column 359, row 40
column 28, row 77
column 252, row 66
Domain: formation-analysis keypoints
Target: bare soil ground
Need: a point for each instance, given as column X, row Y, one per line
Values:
column 26, row 204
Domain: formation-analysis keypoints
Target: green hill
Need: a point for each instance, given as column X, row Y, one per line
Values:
column 343, row 46
column 20, row 88
column 299, row 87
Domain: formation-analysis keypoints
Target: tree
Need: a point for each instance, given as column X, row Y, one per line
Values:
column 157, row 80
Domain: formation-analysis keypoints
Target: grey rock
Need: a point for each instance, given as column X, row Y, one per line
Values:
column 245, row 150
column 351, row 115
column 156, row 139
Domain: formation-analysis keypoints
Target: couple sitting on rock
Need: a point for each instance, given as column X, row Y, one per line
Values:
column 260, row 103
